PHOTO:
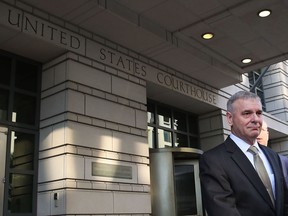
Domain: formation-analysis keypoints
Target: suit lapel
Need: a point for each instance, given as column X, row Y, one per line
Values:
column 247, row 168
column 278, row 177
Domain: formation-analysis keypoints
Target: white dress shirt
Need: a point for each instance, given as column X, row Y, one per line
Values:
column 244, row 148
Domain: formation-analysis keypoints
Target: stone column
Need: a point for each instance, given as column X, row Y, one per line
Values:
column 275, row 84
column 213, row 129
column 93, row 155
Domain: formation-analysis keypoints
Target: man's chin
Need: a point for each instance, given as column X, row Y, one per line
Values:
column 255, row 133
column 255, row 136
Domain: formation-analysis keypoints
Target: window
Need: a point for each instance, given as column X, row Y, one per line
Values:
column 171, row 127
column 19, row 118
column 4, row 96
column 256, row 84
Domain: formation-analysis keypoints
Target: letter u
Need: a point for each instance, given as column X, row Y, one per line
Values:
column 17, row 20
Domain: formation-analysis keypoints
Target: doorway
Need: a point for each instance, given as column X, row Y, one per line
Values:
column 3, row 144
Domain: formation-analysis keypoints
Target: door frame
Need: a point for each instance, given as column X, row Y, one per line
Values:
column 3, row 153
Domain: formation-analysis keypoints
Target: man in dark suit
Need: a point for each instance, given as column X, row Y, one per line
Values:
column 230, row 184
column 284, row 161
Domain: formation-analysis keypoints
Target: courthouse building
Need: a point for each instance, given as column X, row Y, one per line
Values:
column 106, row 106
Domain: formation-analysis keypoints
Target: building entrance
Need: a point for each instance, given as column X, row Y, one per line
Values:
column 175, row 183
column 20, row 86
column 3, row 144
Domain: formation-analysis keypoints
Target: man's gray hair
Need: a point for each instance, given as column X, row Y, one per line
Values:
column 241, row 95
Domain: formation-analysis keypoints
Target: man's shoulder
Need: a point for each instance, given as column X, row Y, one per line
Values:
column 217, row 156
column 219, row 149
column 268, row 150
column 284, row 159
column 223, row 147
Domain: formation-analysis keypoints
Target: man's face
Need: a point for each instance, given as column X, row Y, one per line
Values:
column 264, row 135
column 246, row 119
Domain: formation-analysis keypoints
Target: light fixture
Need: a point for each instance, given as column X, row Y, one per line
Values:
column 207, row 35
column 264, row 13
column 246, row 60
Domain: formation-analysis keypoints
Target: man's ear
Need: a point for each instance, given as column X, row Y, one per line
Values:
column 229, row 118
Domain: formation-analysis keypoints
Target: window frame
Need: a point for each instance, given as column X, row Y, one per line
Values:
column 155, row 106
column 21, row 127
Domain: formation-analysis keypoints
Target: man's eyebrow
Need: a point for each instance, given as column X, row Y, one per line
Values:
column 251, row 111
column 247, row 111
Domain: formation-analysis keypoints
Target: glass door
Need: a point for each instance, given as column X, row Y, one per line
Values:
column 187, row 184
column 3, row 143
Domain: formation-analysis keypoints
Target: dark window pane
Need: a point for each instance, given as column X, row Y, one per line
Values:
column 164, row 138
column 180, row 121
column 181, row 140
column 193, row 124
column 150, row 113
column 5, row 70
column 22, row 150
column 24, row 109
column 4, row 97
column 251, row 78
column 185, row 190
column 20, row 193
column 257, row 87
column 26, row 76
column 194, row 142
column 164, row 117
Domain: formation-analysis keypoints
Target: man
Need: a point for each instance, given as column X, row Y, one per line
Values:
column 263, row 140
column 230, row 184
column 263, row 137
column 284, row 161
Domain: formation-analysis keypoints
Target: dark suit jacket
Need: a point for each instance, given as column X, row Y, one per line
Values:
column 232, row 187
column 284, row 161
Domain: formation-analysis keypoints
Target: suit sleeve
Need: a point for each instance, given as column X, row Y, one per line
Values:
column 284, row 163
column 218, row 196
column 286, row 201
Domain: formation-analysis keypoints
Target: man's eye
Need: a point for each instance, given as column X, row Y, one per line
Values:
column 247, row 114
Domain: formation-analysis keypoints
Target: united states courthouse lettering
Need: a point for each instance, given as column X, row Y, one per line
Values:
column 35, row 26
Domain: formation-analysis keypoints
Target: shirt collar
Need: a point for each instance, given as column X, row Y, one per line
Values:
column 242, row 144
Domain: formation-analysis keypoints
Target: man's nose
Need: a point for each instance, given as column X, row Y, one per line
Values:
column 256, row 117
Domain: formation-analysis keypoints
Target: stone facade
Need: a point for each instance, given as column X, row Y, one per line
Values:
column 93, row 111
column 90, row 114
